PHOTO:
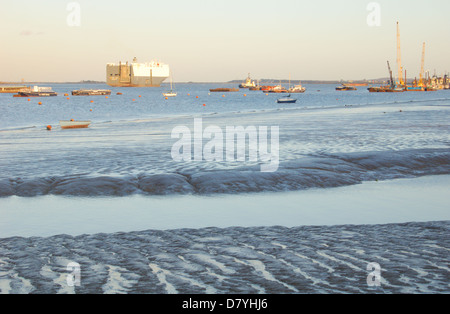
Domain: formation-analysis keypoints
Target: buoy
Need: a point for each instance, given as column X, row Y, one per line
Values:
column 189, row 94
column 140, row 96
column 223, row 95
column 167, row 98
column 29, row 99
column 267, row 94
column 106, row 97
column 91, row 110
column 66, row 94
column 92, row 101
column 39, row 103
column 49, row 127
column 71, row 120
column 196, row 97
column 68, row 98
column 134, row 99
column 245, row 95
column 204, row 105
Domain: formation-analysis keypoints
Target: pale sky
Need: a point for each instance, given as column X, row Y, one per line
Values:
column 211, row 40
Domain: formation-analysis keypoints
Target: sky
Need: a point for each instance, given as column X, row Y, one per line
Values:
column 218, row 41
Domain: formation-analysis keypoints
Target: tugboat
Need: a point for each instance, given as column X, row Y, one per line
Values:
column 36, row 91
column 256, row 87
column 248, row 83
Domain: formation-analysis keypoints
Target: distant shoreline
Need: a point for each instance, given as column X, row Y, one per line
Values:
column 261, row 82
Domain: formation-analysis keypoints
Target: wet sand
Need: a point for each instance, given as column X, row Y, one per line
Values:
column 314, row 241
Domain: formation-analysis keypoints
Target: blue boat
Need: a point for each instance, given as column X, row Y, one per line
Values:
column 286, row 100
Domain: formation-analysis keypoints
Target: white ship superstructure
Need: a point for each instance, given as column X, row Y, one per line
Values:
column 150, row 74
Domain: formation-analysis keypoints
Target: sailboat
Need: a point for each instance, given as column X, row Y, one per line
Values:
column 170, row 93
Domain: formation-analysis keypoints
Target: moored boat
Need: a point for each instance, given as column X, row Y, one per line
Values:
column 72, row 124
column 170, row 93
column 286, row 100
column 415, row 88
column 91, row 92
column 395, row 90
column 278, row 89
column 267, row 88
column 377, row 89
column 215, row 90
column 36, row 91
column 297, row 89
column 345, row 88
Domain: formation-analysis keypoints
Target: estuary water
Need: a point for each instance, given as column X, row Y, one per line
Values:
column 350, row 165
column 327, row 139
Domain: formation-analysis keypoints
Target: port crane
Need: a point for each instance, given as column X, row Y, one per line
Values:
column 421, row 83
column 399, row 58
column 390, row 75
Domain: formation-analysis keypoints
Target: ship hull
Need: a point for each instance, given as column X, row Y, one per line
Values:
column 36, row 94
column 140, row 82
column 91, row 92
column 217, row 90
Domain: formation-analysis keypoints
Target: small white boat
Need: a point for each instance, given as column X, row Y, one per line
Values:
column 72, row 124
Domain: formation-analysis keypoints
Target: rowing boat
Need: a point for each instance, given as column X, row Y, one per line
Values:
column 71, row 124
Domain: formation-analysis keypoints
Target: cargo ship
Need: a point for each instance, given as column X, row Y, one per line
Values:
column 150, row 74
